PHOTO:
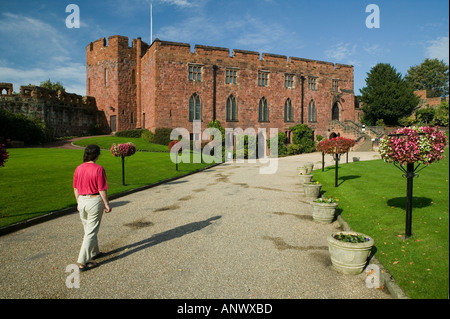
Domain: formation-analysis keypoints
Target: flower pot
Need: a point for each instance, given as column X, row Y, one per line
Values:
column 349, row 258
column 302, row 171
column 312, row 190
column 309, row 167
column 305, row 178
column 323, row 212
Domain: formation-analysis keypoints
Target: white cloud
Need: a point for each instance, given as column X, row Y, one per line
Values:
column 341, row 51
column 438, row 49
column 40, row 52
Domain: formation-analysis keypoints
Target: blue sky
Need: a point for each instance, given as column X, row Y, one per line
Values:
column 36, row 45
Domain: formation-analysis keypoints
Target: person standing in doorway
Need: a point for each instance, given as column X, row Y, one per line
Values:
column 90, row 189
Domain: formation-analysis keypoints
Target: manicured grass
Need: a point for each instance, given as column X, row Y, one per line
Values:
column 37, row 181
column 372, row 199
column 105, row 142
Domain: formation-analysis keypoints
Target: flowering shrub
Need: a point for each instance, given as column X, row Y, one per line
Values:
column 172, row 144
column 411, row 144
column 123, row 150
column 337, row 145
column 3, row 155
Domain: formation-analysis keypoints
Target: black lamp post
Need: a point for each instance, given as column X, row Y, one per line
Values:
column 409, row 173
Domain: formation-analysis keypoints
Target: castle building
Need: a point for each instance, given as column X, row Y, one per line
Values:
column 168, row 85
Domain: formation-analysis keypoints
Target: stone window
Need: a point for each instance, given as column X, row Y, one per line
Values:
column 195, row 72
column 231, row 109
column 106, row 77
column 231, row 76
column 335, row 85
column 263, row 110
column 288, row 114
column 312, row 112
column 289, row 81
column 194, row 108
column 263, row 78
column 312, row 83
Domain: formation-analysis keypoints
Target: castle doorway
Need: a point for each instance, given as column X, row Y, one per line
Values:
column 113, row 123
column 335, row 112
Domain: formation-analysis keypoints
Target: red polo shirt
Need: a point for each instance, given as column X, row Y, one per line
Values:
column 89, row 178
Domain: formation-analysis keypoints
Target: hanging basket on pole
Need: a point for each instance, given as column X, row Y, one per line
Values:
column 335, row 147
column 123, row 150
column 408, row 149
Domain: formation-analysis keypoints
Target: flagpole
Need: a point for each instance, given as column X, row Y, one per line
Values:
column 151, row 23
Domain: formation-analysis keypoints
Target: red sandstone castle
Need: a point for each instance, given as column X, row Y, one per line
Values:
column 167, row 85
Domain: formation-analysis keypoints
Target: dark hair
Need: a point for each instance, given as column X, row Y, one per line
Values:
column 91, row 152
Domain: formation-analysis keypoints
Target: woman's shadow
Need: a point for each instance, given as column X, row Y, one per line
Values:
column 157, row 239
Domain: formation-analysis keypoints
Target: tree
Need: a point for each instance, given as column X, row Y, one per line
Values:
column 441, row 115
column 430, row 75
column 302, row 135
column 387, row 96
column 56, row 86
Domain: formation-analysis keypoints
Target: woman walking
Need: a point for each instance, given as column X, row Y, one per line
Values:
column 90, row 189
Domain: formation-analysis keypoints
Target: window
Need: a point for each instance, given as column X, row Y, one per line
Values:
column 288, row 115
column 231, row 76
column 289, row 81
column 335, row 86
column 133, row 77
column 263, row 110
column 312, row 112
column 195, row 72
column 231, row 109
column 263, row 77
column 106, row 77
column 312, row 83
column 194, row 108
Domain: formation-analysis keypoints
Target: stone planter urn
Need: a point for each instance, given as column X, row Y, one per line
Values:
column 312, row 190
column 302, row 171
column 305, row 179
column 323, row 210
column 349, row 257
column 309, row 167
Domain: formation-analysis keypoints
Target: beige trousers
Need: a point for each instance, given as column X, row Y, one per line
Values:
column 91, row 209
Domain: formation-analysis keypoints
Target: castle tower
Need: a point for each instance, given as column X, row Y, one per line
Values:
column 111, row 70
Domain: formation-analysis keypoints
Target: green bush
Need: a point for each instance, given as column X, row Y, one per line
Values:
column 293, row 149
column 302, row 135
column 282, row 150
column 147, row 135
column 19, row 127
column 162, row 136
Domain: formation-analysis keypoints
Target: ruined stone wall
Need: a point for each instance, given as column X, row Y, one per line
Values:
column 65, row 114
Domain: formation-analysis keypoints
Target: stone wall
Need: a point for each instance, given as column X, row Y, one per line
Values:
column 148, row 86
column 65, row 114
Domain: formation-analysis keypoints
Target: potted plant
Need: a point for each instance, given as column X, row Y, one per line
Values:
column 349, row 251
column 312, row 190
column 302, row 170
column 123, row 150
column 324, row 209
column 309, row 167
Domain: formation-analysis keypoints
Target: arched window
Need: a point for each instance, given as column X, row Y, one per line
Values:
column 288, row 115
column 312, row 112
column 231, row 109
column 335, row 112
column 194, row 108
column 263, row 110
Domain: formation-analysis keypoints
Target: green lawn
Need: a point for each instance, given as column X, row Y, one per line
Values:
column 105, row 142
column 36, row 181
column 372, row 199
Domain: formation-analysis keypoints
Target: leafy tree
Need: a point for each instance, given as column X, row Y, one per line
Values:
column 441, row 115
column 56, row 86
column 387, row 96
column 430, row 75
